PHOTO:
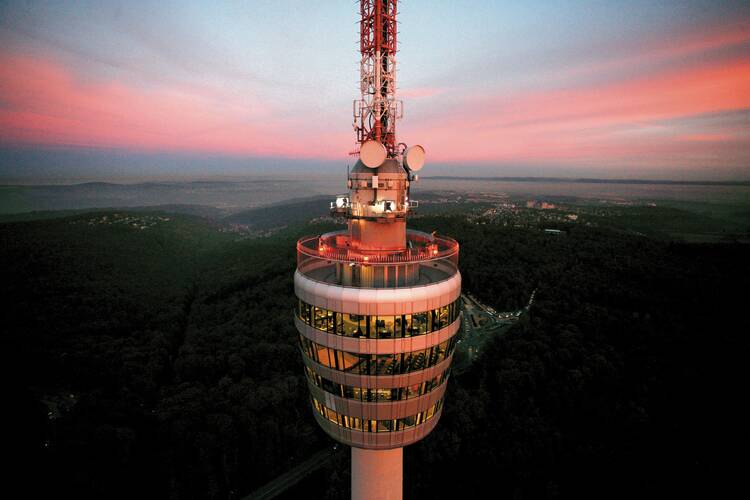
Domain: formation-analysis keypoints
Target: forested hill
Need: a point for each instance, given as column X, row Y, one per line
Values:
column 154, row 355
column 622, row 381
column 282, row 214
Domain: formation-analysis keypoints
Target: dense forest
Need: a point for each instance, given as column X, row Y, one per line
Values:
column 157, row 358
column 622, row 381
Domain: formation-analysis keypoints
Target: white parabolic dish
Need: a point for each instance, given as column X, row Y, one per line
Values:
column 372, row 154
column 414, row 158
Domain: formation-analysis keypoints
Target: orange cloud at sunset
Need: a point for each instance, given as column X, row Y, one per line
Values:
column 46, row 104
column 678, row 99
column 608, row 123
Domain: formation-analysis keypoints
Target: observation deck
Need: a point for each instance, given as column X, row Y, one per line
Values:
column 331, row 259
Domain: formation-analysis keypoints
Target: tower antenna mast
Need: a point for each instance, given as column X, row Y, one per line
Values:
column 376, row 111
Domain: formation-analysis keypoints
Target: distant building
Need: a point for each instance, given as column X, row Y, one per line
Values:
column 540, row 205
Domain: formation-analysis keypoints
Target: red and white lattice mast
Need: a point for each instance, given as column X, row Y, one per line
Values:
column 376, row 112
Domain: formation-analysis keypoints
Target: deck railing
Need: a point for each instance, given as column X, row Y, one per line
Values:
column 330, row 258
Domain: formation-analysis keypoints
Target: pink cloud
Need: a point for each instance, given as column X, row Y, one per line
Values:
column 648, row 119
column 605, row 123
column 45, row 103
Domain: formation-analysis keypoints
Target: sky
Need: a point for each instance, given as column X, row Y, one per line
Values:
column 611, row 89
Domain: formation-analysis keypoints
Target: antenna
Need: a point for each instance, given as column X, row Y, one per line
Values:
column 377, row 110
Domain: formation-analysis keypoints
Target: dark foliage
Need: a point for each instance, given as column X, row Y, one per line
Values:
column 621, row 381
column 162, row 363
column 152, row 363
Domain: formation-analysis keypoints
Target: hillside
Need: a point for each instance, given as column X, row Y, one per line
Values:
column 154, row 354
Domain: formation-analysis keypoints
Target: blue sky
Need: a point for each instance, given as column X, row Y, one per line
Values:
column 609, row 89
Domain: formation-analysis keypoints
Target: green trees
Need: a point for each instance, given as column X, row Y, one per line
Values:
column 609, row 385
column 163, row 362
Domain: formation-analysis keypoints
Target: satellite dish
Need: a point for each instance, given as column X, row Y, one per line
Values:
column 372, row 154
column 414, row 158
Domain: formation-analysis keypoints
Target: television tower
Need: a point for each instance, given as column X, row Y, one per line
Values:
column 378, row 308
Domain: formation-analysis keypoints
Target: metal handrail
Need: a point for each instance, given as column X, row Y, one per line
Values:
column 435, row 248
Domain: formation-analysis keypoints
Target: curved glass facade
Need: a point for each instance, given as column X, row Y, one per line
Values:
column 370, row 395
column 377, row 327
column 377, row 364
column 366, row 425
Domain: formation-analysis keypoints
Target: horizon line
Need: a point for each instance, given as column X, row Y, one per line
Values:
column 240, row 178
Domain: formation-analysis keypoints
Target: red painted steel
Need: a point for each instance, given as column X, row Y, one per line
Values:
column 377, row 112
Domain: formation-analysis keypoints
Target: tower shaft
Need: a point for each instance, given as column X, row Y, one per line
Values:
column 377, row 474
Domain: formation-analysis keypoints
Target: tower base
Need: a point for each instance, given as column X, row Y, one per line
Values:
column 377, row 474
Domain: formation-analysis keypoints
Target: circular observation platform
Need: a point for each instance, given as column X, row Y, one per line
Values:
column 330, row 258
column 377, row 332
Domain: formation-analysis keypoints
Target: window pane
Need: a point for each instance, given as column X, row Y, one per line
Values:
column 371, row 327
column 419, row 323
column 409, row 328
column 442, row 317
column 347, row 360
column 319, row 318
column 413, row 391
column 382, row 394
column 321, row 354
column 398, row 327
column 385, row 362
column 353, row 325
column 338, row 319
column 385, row 326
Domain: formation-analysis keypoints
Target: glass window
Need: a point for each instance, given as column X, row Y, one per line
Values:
column 408, row 327
column 382, row 394
column 398, row 326
column 377, row 327
column 441, row 317
column 383, row 360
column 359, row 394
column 347, row 360
column 386, row 326
column 419, row 323
column 412, row 391
column 381, row 364
column 430, row 412
column 353, row 325
column 371, row 327
column 319, row 318
column 376, row 425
